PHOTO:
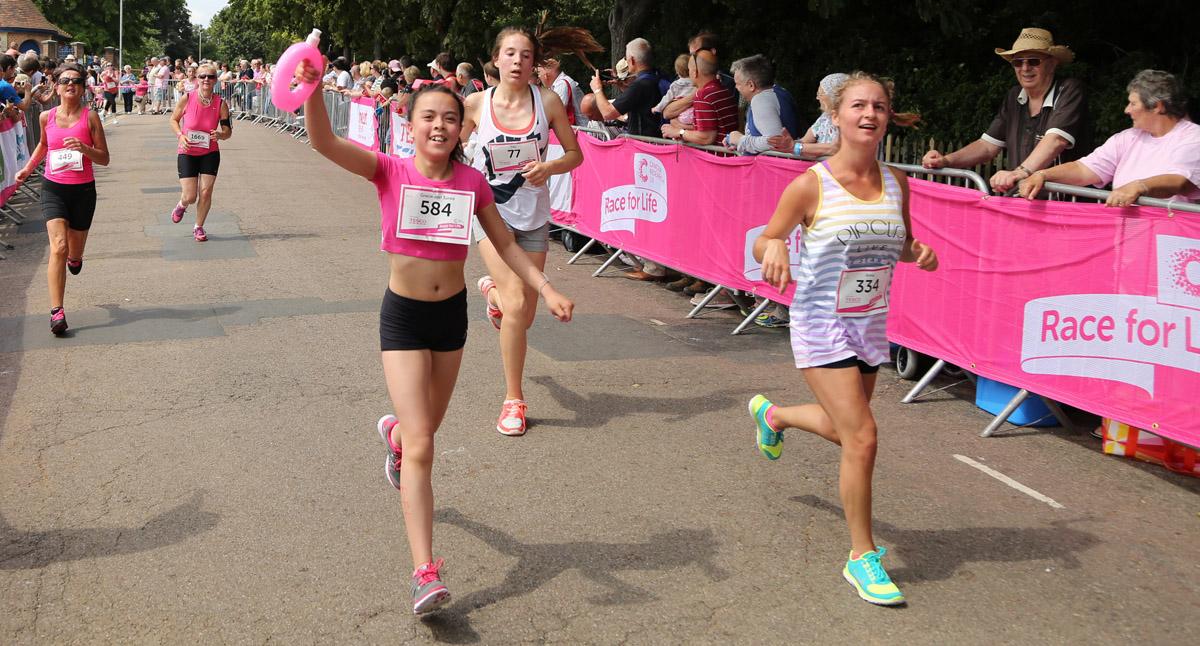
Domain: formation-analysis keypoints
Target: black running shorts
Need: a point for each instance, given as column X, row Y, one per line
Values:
column 75, row 203
column 409, row 324
column 196, row 165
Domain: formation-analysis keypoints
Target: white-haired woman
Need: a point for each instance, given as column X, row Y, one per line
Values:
column 1158, row 157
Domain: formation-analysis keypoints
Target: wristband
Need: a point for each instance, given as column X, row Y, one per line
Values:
column 545, row 281
column 797, row 148
column 1028, row 173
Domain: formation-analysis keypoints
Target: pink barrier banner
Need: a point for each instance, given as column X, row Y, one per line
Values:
column 685, row 208
column 363, row 127
column 1094, row 307
column 402, row 141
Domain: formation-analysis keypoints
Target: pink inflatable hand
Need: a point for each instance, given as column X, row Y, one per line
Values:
column 283, row 95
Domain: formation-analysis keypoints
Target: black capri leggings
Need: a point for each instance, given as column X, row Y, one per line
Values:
column 409, row 324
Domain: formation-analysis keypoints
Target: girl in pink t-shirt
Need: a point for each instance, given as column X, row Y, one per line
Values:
column 426, row 205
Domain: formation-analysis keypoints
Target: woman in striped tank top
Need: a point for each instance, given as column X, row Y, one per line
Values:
column 856, row 228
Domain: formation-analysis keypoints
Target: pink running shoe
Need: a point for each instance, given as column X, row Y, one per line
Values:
column 428, row 591
column 391, row 466
column 177, row 214
column 512, row 417
column 486, row 284
column 58, row 322
column 199, row 235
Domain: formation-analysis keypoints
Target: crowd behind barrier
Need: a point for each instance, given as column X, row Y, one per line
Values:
column 697, row 209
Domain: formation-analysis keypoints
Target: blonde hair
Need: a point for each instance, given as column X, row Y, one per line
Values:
column 681, row 65
column 411, row 73
column 365, row 68
column 903, row 119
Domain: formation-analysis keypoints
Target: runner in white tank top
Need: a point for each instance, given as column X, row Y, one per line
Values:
column 848, row 251
column 512, row 123
column 856, row 227
column 501, row 155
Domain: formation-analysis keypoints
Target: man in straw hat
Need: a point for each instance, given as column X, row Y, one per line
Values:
column 1041, row 122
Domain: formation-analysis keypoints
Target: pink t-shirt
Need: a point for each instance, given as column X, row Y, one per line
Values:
column 1134, row 154
column 394, row 172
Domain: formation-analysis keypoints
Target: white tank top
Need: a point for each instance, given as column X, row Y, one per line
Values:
column 847, row 235
column 500, row 153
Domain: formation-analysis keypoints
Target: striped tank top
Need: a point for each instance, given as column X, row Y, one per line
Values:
column 839, row 310
column 501, row 153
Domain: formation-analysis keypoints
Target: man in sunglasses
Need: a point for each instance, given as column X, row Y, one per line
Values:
column 1041, row 123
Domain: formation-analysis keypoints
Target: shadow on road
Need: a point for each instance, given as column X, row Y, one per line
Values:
column 20, row 550
column 538, row 563
column 595, row 410
column 119, row 316
column 935, row 554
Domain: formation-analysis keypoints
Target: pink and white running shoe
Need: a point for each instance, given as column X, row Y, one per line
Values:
column 486, row 284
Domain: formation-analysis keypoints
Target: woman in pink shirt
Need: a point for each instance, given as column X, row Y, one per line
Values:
column 1158, row 157
column 427, row 203
column 72, row 140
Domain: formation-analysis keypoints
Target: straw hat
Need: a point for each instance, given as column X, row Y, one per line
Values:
column 1037, row 40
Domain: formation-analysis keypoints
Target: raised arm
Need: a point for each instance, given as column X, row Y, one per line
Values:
column 320, row 134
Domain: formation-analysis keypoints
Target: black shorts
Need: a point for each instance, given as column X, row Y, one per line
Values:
column 196, row 165
column 75, row 203
column 409, row 324
column 850, row 362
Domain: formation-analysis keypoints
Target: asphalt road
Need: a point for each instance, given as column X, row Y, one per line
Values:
column 198, row 462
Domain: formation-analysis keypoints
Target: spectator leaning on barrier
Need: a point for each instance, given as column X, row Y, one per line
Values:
column 822, row 138
column 467, row 83
column 636, row 100
column 1158, row 157
column 715, row 107
column 8, row 94
column 1040, row 123
column 772, row 110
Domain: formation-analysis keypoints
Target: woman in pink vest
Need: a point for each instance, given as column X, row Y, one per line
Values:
column 200, row 119
column 72, row 140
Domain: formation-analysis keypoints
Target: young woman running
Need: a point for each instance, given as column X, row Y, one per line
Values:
column 423, row 320
column 72, row 140
column 200, row 119
column 839, row 311
column 512, row 124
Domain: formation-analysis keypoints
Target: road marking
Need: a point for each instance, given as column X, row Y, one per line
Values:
column 1009, row 481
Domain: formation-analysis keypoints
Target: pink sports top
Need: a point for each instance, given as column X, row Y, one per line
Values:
column 201, row 118
column 392, row 173
column 64, row 166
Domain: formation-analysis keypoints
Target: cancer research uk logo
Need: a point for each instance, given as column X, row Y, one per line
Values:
column 1121, row 337
column 646, row 199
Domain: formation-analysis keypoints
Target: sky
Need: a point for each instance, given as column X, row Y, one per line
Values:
column 203, row 10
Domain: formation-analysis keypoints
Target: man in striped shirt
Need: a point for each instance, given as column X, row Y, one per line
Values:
column 714, row 106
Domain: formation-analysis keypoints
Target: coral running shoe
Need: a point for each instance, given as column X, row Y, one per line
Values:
column 770, row 441
column 177, row 214
column 391, row 466
column 58, row 322
column 199, row 234
column 868, row 577
column 486, row 284
column 428, row 591
column 512, row 417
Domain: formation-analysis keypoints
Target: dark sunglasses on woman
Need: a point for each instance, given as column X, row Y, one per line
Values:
column 206, row 76
column 71, row 81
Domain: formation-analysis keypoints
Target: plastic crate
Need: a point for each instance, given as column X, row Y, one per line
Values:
column 992, row 396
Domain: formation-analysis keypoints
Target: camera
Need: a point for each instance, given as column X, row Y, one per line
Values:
column 608, row 75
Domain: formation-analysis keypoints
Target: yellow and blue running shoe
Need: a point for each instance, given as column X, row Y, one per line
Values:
column 868, row 577
column 770, row 441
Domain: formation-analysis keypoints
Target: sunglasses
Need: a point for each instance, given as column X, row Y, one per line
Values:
column 1031, row 62
column 71, row 81
column 206, row 76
